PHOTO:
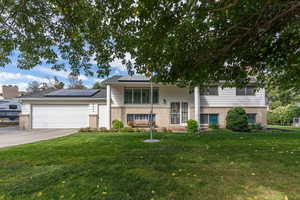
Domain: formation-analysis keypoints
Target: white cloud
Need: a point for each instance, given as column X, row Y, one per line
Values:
column 97, row 80
column 62, row 74
column 22, row 86
column 6, row 76
column 49, row 71
column 117, row 63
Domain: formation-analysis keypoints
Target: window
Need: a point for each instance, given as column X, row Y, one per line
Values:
column 209, row 118
column 146, row 96
column 251, row 118
column 184, row 112
column 12, row 106
column 137, row 96
column 140, row 96
column 297, row 120
column 210, row 90
column 175, row 113
column 128, row 95
column 133, row 117
column 247, row 91
column 179, row 112
column 155, row 95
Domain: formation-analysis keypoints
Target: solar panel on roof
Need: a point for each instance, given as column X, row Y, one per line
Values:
column 134, row 78
column 72, row 93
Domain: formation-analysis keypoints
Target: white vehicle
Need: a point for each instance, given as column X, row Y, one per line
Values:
column 9, row 110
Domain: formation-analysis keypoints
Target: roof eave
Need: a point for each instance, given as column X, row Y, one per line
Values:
column 60, row 98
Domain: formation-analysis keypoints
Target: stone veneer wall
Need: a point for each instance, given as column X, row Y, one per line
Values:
column 93, row 120
column 261, row 113
column 163, row 117
column 162, row 114
column 24, row 122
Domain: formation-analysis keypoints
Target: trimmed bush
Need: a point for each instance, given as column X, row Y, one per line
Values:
column 192, row 126
column 236, row 120
column 127, row 129
column 102, row 129
column 213, row 125
column 117, row 124
column 256, row 127
column 87, row 129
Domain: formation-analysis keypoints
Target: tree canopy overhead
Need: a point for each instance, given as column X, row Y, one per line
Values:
column 193, row 41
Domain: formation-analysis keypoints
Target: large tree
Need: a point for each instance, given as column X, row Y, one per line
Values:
column 75, row 82
column 193, row 41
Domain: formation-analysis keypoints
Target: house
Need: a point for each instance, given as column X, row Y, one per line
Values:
column 296, row 121
column 8, row 92
column 128, row 98
column 9, row 111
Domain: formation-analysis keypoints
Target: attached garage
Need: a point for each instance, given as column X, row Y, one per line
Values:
column 60, row 116
column 63, row 108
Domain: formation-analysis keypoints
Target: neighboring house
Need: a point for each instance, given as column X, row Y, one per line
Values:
column 127, row 98
column 8, row 92
column 9, row 110
column 296, row 121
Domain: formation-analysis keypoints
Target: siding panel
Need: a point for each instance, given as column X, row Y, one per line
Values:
column 226, row 98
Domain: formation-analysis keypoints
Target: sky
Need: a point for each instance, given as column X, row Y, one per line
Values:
column 11, row 75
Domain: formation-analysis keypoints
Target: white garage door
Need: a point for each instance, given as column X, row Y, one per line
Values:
column 59, row 116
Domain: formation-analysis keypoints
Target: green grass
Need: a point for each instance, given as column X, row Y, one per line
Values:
column 119, row 166
column 284, row 127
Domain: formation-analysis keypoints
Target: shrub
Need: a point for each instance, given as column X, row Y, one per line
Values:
column 161, row 129
column 256, row 127
column 137, row 130
column 112, row 130
column 127, row 129
column 236, row 120
column 213, row 125
column 87, row 129
column 102, row 129
column 192, row 126
column 117, row 124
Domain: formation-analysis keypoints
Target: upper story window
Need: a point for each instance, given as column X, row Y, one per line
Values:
column 210, row 90
column 140, row 95
column 12, row 106
column 247, row 91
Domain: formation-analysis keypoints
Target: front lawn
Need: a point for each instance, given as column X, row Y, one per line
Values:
column 212, row 166
column 284, row 127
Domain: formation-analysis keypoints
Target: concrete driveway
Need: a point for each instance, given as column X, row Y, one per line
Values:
column 10, row 136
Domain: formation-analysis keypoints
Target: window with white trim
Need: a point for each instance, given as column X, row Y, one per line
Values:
column 209, row 119
column 140, row 95
column 247, row 91
column 134, row 117
column 212, row 90
column 179, row 112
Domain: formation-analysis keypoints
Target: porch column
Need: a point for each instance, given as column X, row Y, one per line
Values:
column 108, row 106
column 197, row 104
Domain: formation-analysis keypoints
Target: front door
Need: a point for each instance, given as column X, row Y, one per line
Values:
column 178, row 113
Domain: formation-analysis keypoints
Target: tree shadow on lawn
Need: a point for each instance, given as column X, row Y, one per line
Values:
column 121, row 166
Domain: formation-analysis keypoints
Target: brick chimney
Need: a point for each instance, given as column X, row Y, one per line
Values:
column 9, row 91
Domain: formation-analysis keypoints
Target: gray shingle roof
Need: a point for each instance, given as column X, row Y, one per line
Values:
column 113, row 79
column 71, row 93
column 134, row 78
